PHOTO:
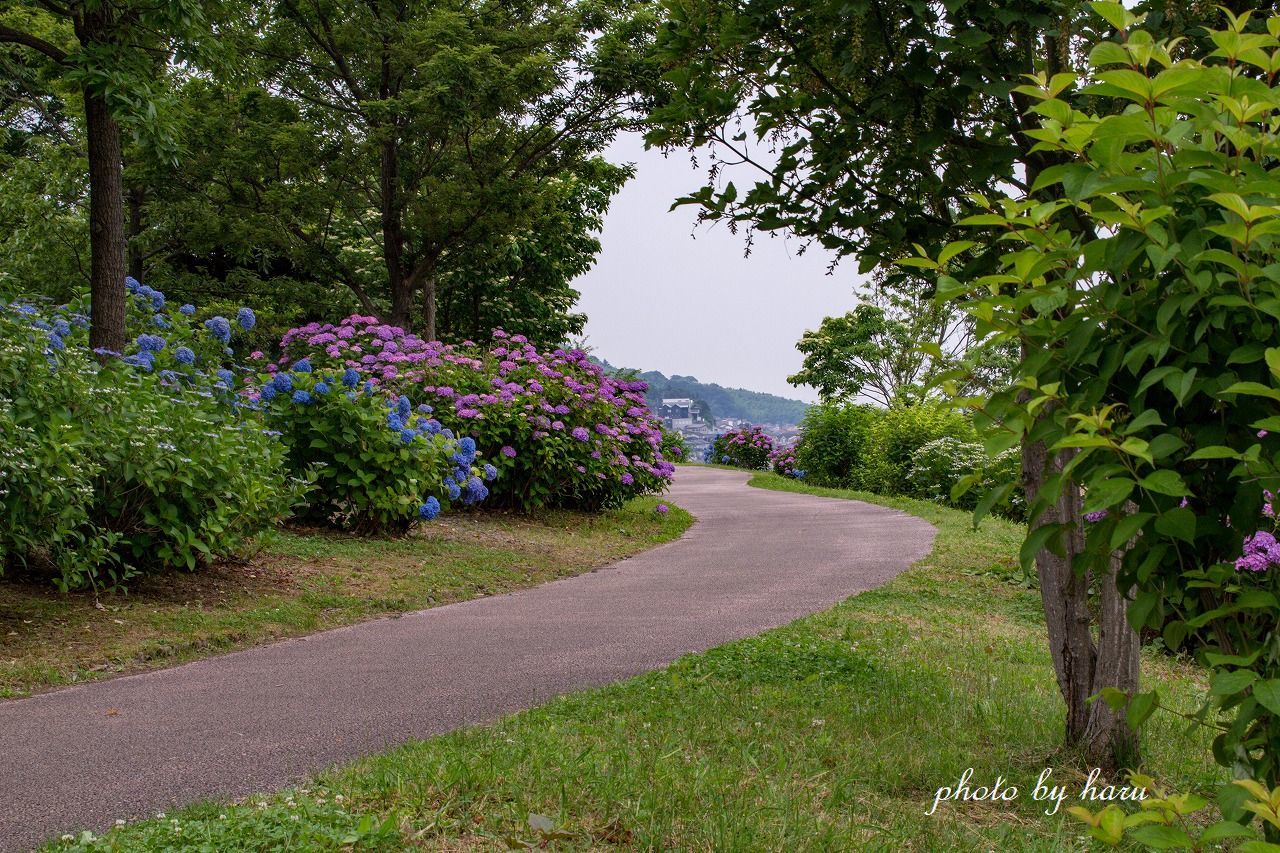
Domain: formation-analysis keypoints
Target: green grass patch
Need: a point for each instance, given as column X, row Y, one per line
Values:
column 302, row 582
column 831, row 733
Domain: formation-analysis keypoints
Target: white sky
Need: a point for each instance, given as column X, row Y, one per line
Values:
column 666, row 296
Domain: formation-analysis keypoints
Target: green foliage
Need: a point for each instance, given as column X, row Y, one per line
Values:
column 894, row 349
column 370, row 476
column 958, row 473
column 1147, row 298
column 110, row 471
column 833, row 443
column 1166, row 820
column 895, row 436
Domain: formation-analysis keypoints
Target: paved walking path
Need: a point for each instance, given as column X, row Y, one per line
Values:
column 268, row 717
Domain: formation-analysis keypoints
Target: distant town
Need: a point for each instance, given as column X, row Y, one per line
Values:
column 684, row 415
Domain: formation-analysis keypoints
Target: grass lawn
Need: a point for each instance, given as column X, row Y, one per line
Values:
column 299, row 583
column 831, row 733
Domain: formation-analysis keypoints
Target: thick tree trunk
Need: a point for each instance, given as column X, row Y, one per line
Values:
column 106, row 227
column 393, row 236
column 1082, row 667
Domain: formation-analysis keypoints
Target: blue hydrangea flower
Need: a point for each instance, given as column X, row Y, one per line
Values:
column 303, row 366
column 403, row 406
column 475, row 492
column 61, row 327
column 425, row 409
column 301, row 397
column 157, row 300
column 219, row 327
column 269, row 392
column 144, row 359
column 227, row 377
column 432, row 426
column 351, row 377
column 283, row 383
column 245, row 317
column 490, row 473
column 184, row 355
column 56, row 342
column 430, row 509
column 407, row 435
column 394, row 422
column 153, row 343
column 467, row 444
column 131, row 284
column 454, row 490
column 368, row 386
column 322, row 388
column 160, row 321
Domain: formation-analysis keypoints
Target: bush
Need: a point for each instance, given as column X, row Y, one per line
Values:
column 557, row 429
column 833, row 441
column 939, row 465
column 745, row 447
column 125, row 468
column 894, row 438
column 381, row 464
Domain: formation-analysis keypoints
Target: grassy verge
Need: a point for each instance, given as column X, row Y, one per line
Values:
column 301, row 583
column 832, row 733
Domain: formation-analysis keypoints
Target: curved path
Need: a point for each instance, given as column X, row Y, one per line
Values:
column 268, row 717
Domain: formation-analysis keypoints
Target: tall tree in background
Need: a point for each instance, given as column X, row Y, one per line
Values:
column 109, row 50
column 460, row 112
column 862, row 125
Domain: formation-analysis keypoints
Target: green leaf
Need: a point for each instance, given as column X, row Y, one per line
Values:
column 1256, row 389
column 1114, row 14
column 1268, row 694
column 1107, row 493
column 1165, row 482
column 1227, row 683
column 1162, row 837
column 1141, row 707
column 1216, row 451
column 1127, row 527
column 1179, row 523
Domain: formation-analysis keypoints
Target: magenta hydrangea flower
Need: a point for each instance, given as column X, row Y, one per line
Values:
column 508, row 451
column 1261, row 552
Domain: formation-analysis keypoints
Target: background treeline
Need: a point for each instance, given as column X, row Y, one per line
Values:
column 436, row 164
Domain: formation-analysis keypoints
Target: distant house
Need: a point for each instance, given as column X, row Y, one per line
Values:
column 679, row 413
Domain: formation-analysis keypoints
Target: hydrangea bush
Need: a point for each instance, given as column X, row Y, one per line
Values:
column 557, row 430
column 745, row 447
column 143, row 463
column 786, row 463
column 380, row 463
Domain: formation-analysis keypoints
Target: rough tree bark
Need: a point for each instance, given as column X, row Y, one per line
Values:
column 1083, row 666
column 106, row 227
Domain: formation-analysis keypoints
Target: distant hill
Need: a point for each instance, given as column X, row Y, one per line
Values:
column 754, row 406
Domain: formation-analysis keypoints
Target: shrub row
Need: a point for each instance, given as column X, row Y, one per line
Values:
column 921, row 450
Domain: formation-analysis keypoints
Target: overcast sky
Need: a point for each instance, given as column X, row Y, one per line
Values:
column 668, row 296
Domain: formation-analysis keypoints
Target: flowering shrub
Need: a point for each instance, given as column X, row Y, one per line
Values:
column 129, row 467
column 894, row 438
column 380, row 463
column 745, row 447
column 557, row 430
column 784, row 461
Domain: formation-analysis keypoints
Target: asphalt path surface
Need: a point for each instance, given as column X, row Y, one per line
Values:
column 268, row 717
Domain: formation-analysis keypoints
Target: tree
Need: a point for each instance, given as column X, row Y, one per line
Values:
column 459, row 114
column 864, row 126
column 1149, row 291
column 894, row 348
column 110, row 50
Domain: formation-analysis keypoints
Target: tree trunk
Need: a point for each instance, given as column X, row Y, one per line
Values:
column 429, row 305
column 393, row 236
column 106, row 227
column 1083, row 668
column 1107, row 740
